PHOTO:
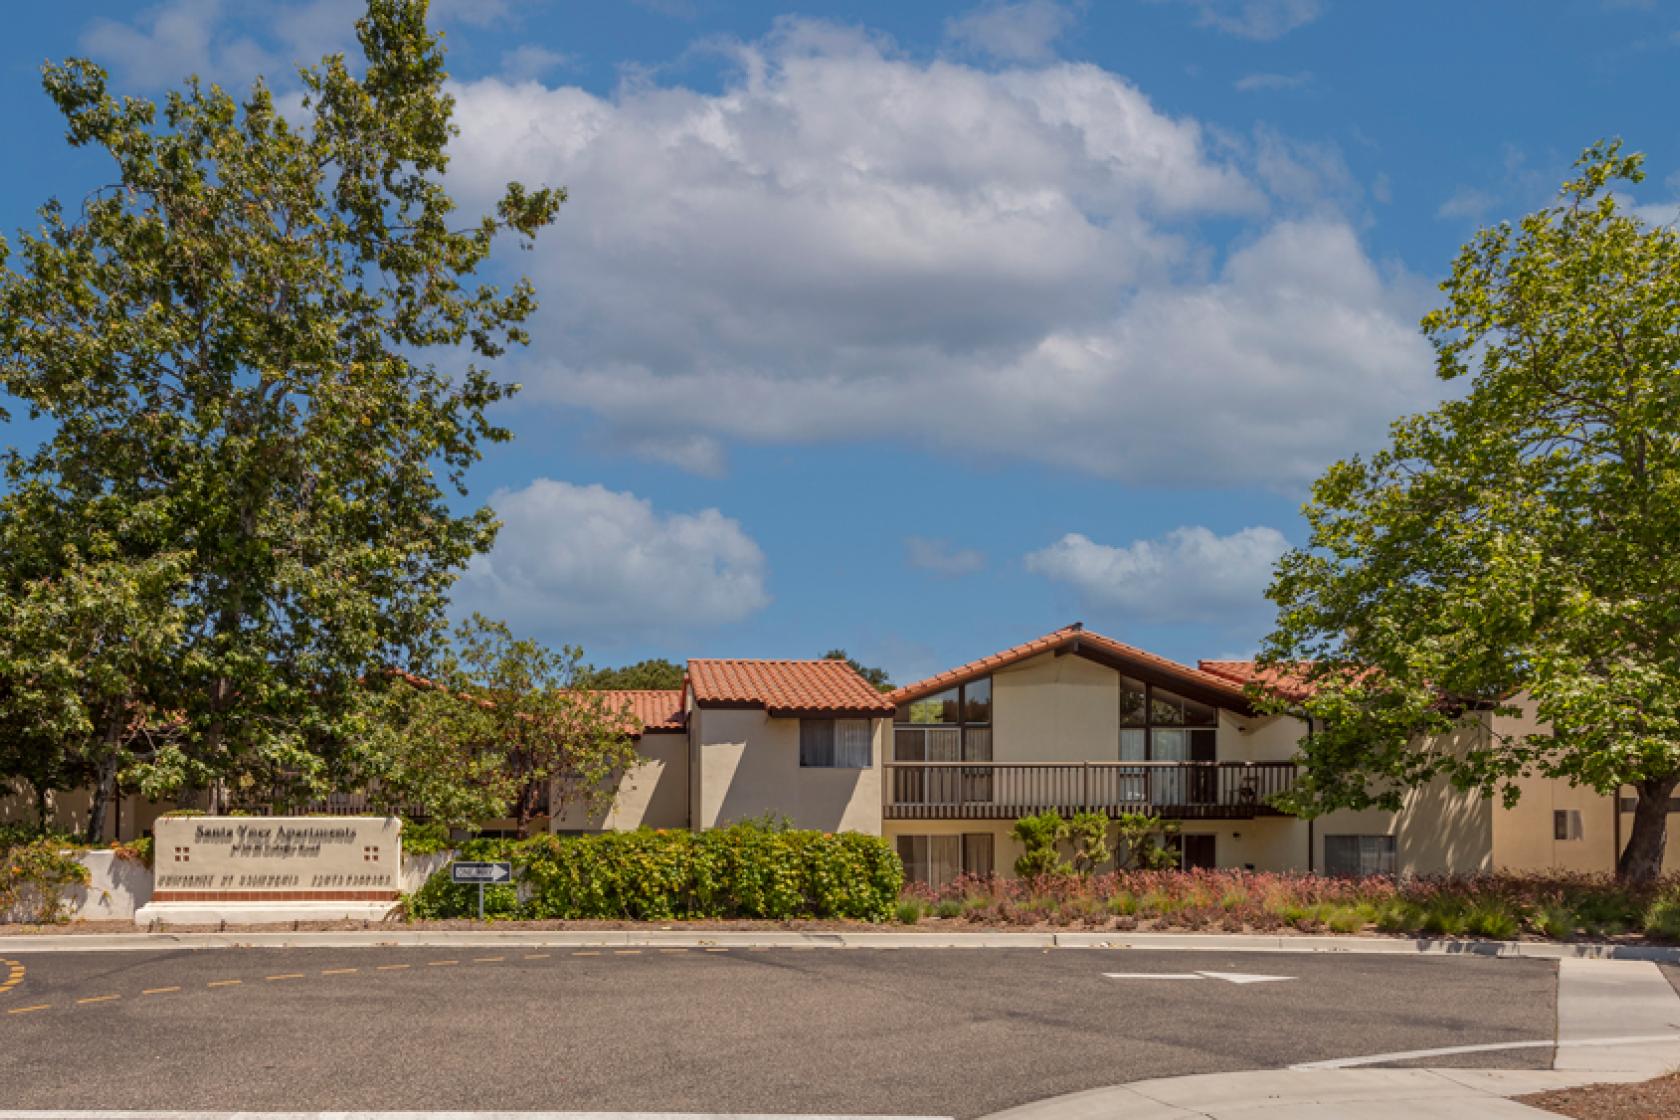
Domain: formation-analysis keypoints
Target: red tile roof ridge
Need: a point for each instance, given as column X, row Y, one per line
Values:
column 1053, row 640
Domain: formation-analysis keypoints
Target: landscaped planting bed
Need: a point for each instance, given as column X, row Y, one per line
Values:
column 1499, row 906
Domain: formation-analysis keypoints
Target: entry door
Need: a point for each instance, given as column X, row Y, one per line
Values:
column 1197, row 850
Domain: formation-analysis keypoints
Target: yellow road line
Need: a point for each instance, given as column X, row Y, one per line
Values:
column 588, row 953
column 537, row 956
column 338, row 971
column 488, row 960
column 626, row 952
column 717, row 950
column 442, row 962
column 21, row 1010
column 673, row 950
column 222, row 983
column 285, row 976
column 98, row 999
column 390, row 967
column 158, row 991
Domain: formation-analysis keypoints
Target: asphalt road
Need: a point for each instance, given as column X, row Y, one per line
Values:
column 945, row 1032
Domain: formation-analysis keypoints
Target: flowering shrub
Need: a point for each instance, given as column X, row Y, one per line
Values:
column 1500, row 906
column 751, row 870
column 33, row 874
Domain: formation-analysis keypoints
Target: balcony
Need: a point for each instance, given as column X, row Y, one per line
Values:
column 1008, row 790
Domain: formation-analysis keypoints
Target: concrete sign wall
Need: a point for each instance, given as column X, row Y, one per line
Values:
column 277, row 859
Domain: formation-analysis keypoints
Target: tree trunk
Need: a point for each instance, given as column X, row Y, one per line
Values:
column 1642, row 859
column 104, row 788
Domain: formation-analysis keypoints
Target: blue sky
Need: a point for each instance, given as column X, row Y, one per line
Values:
column 924, row 329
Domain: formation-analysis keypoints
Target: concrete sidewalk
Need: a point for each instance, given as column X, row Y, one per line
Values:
column 956, row 936
column 1618, row 1021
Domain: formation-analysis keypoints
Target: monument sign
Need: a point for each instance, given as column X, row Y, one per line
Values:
column 273, row 868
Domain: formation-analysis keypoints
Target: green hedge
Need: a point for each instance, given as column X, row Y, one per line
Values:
column 743, row 871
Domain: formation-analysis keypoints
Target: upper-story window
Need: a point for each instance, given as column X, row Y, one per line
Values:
column 1164, row 726
column 836, row 744
column 950, row 726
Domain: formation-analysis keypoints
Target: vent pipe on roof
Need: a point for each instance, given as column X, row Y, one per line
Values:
column 1077, row 626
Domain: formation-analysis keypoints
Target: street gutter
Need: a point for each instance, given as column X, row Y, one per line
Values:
column 831, row 939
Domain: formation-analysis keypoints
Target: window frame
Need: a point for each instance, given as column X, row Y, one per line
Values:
column 967, row 854
column 1390, row 855
column 833, row 746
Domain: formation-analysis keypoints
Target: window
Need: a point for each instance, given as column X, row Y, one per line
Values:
column 1359, row 855
column 937, row 860
column 1197, row 849
column 1161, row 726
column 950, row 726
column 1566, row 824
column 835, row 744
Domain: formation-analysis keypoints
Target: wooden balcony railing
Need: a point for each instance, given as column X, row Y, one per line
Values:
column 1007, row 790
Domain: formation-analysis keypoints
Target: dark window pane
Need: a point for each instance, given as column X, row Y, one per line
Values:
column 816, row 742
column 977, row 854
column 1131, row 703
column 977, row 701
column 1167, row 709
column 1198, row 851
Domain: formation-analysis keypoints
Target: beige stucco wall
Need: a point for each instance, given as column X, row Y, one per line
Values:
column 652, row 794
column 1056, row 709
column 748, row 766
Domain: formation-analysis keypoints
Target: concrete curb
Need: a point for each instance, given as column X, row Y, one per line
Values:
column 1445, row 1094
column 399, row 936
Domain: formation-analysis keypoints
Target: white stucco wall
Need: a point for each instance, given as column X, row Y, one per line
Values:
column 747, row 765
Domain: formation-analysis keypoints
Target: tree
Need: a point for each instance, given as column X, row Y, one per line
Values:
column 230, row 342
column 500, row 726
column 655, row 672
column 1518, row 541
column 876, row 677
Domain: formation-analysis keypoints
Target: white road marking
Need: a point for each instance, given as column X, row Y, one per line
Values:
column 1228, row 977
column 1483, row 1048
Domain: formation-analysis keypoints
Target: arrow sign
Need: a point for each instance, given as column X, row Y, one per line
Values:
column 466, row 871
column 1228, row 977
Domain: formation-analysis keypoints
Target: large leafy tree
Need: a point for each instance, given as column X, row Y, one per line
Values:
column 230, row 343
column 1521, row 540
column 501, row 730
column 875, row 676
column 654, row 672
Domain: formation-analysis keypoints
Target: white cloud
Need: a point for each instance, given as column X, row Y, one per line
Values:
column 233, row 41
column 1190, row 575
column 529, row 62
column 941, row 557
column 585, row 562
column 846, row 244
column 1256, row 19
column 1011, row 32
column 1467, row 203
column 1253, row 83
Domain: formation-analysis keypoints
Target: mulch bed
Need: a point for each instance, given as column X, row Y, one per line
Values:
column 1642, row 1100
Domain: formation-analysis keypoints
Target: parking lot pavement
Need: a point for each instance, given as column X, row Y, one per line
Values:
column 939, row 1032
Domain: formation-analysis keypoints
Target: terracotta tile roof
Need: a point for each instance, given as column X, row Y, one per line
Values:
column 1291, row 686
column 652, row 709
column 1058, row 639
column 791, row 687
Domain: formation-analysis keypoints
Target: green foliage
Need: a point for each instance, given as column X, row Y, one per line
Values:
column 908, row 912
column 1662, row 919
column 33, row 873
column 1142, row 845
column 655, row 672
column 948, row 908
column 743, row 871
column 425, row 838
column 1519, row 537
column 876, row 677
column 499, row 725
column 1040, row 838
column 241, row 505
column 1088, row 834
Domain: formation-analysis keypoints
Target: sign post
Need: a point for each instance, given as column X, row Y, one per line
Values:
column 480, row 872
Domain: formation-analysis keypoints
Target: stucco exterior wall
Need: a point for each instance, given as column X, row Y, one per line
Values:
column 1056, row 709
column 652, row 794
column 748, row 766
